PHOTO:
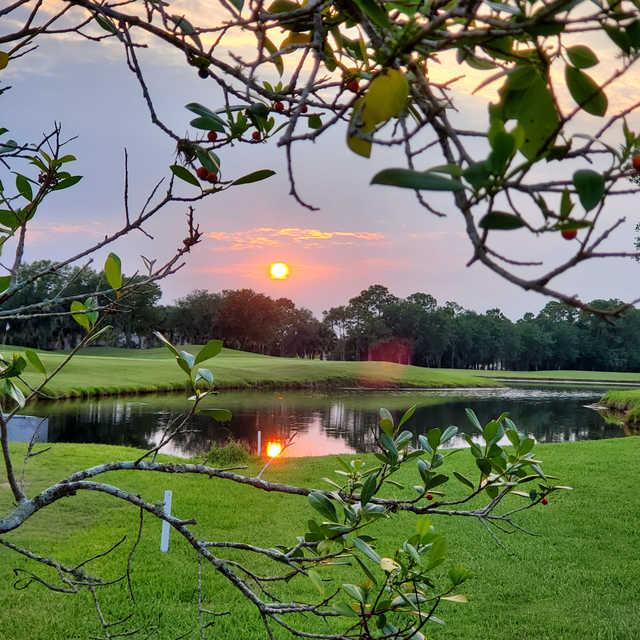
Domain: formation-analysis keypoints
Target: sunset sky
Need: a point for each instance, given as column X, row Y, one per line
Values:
column 361, row 235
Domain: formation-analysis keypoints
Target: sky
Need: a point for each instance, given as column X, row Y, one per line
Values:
column 361, row 235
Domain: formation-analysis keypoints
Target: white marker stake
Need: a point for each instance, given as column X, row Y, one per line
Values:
column 259, row 443
column 166, row 527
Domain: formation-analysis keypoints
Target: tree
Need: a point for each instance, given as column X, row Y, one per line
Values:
column 372, row 65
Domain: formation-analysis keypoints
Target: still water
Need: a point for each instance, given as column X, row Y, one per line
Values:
column 335, row 422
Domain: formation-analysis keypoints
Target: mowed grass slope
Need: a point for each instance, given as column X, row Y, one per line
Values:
column 577, row 579
column 98, row 371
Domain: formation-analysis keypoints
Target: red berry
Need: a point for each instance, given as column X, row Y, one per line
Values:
column 429, row 496
column 212, row 136
column 544, row 501
column 636, row 162
column 278, row 106
column 569, row 234
column 256, row 136
column 304, row 109
column 202, row 173
column 353, row 85
column 212, row 177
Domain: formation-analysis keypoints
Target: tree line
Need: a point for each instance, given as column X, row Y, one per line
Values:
column 432, row 334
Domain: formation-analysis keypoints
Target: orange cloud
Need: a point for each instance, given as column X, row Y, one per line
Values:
column 262, row 237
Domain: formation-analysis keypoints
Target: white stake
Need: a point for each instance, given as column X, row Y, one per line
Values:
column 166, row 527
column 259, row 443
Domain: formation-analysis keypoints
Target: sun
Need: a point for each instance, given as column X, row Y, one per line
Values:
column 279, row 271
column 274, row 449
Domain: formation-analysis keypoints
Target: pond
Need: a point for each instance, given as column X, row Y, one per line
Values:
column 324, row 423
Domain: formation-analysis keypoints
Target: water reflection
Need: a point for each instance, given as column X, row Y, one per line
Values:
column 339, row 422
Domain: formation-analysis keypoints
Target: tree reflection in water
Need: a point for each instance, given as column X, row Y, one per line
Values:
column 325, row 422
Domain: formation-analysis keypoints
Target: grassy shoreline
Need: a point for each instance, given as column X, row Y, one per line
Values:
column 624, row 404
column 576, row 580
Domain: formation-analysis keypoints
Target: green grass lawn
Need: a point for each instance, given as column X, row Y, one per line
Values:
column 587, row 376
column 105, row 371
column 577, row 580
column 102, row 371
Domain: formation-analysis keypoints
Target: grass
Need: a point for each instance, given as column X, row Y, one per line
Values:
column 105, row 371
column 625, row 404
column 569, row 375
column 576, row 580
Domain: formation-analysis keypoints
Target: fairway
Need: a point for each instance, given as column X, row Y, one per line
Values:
column 109, row 371
column 104, row 371
column 576, row 580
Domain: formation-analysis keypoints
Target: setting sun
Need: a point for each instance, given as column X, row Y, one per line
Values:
column 279, row 271
column 274, row 449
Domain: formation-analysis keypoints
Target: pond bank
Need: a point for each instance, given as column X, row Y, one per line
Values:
column 623, row 405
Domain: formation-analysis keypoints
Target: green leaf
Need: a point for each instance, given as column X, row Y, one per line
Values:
column 503, row 147
column 79, row 314
column 208, row 159
column 368, row 488
column 525, row 97
column 184, row 174
column 65, row 183
column 582, row 57
column 619, row 37
column 210, row 350
column 473, row 418
column 35, row 361
column 433, row 436
column 202, row 111
column 407, row 415
column 373, row 11
column 458, row 574
column 343, row 609
column 113, row 271
column 367, row 550
column 323, row 505
column 166, row 343
column 105, row 24
column 450, row 432
column 205, row 123
column 585, row 91
column 437, row 552
column 13, row 391
column 590, row 186
column 314, row 576
column 463, row 479
column 204, row 374
column 314, row 121
column 409, row 179
column 256, row 176
column 272, row 49
column 633, row 33
column 24, row 187
column 566, row 206
column 219, row 415
column 5, row 282
column 238, row 4
column 386, row 422
column 501, row 220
